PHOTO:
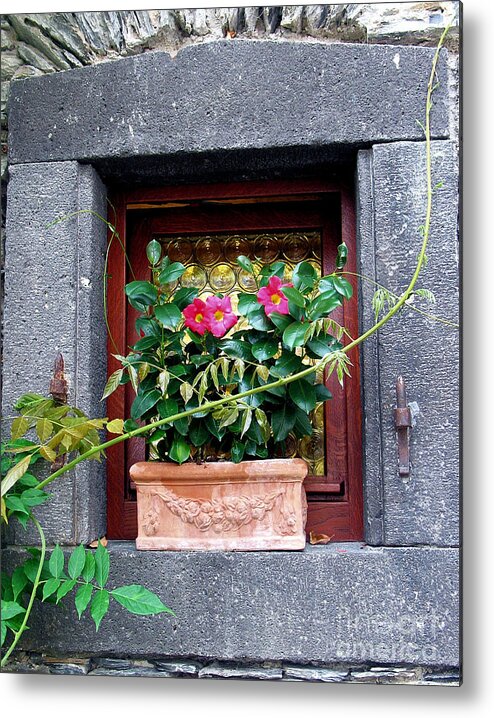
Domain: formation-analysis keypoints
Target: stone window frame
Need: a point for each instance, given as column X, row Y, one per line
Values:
column 353, row 102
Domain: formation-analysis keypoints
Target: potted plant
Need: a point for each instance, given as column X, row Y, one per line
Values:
column 218, row 479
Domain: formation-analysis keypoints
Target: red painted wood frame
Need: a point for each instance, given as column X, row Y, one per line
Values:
column 335, row 500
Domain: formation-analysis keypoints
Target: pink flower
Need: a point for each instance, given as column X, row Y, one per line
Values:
column 272, row 297
column 219, row 315
column 195, row 316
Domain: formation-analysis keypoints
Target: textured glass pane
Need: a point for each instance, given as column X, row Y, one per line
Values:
column 211, row 266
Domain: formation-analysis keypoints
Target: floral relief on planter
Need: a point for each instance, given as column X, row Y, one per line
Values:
column 253, row 505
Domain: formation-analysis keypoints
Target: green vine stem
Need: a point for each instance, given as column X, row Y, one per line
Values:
column 114, row 235
column 432, row 317
column 23, row 626
column 234, row 398
column 325, row 360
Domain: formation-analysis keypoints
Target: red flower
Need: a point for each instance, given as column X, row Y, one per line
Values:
column 219, row 315
column 195, row 316
column 272, row 297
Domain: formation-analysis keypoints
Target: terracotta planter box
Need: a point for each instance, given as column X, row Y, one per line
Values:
column 221, row 506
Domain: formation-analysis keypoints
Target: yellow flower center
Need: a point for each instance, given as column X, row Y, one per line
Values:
column 218, row 315
column 275, row 299
column 199, row 318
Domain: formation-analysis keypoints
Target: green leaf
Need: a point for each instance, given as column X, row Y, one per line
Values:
column 6, row 586
column 65, row 588
column 34, row 497
column 326, row 284
column 48, row 453
column 112, row 383
column 99, row 606
column 141, row 294
column 185, row 296
column 116, row 426
column 56, row 562
column 213, row 427
column 321, row 347
column 44, row 429
column 262, row 372
column 28, row 400
column 143, row 403
column 89, row 567
column 293, row 295
column 14, row 474
column 29, row 481
column 14, row 503
column 245, row 263
column 281, row 321
column 265, row 349
column 139, row 600
column 343, row 287
column 303, row 394
column 77, row 561
column 294, row 335
column 11, row 609
column 246, row 421
column 82, row 598
column 237, row 452
column 263, row 422
column 250, row 447
column 150, row 341
column 342, row 255
column 19, row 581
column 168, row 314
column 153, row 252
column 236, row 348
column 247, row 303
column 50, row 587
column 283, row 421
column 324, row 304
column 30, row 568
column 19, row 427
column 102, row 562
column 130, row 425
column 163, row 381
column 200, row 359
column 258, row 320
column 133, row 377
column 230, row 416
column 262, row 452
column 213, row 370
column 286, row 365
column 302, row 426
column 304, row 276
column 3, row 634
column 322, row 392
column 171, row 273
column 167, row 407
column 198, row 433
column 179, row 451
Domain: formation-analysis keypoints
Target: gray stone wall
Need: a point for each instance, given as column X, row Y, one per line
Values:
column 43, row 43
column 359, row 612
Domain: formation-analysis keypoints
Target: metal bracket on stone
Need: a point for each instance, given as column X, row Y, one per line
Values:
column 403, row 423
column 59, row 389
column 59, row 386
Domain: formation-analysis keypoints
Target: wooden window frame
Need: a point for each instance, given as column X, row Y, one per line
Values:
column 335, row 501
